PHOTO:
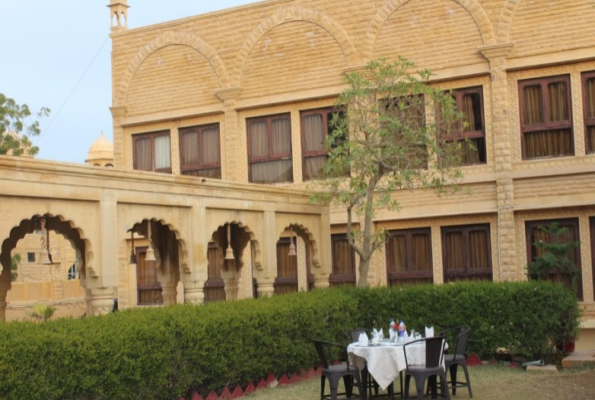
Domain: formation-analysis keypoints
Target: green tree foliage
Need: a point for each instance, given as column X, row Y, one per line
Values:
column 554, row 257
column 15, row 261
column 17, row 125
column 382, row 144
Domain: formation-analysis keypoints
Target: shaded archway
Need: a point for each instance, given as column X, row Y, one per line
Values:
column 227, row 255
column 59, row 227
column 157, row 275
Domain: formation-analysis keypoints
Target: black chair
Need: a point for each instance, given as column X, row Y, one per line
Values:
column 334, row 373
column 452, row 361
column 432, row 369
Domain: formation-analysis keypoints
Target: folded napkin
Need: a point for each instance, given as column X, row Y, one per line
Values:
column 380, row 334
column 363, row 339
column 374, row 333
column 392, row 335
column 430, row 331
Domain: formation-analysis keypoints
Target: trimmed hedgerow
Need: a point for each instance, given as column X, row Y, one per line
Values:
column 170, row 352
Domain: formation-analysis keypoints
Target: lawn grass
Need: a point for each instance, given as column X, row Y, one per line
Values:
column 489, row 382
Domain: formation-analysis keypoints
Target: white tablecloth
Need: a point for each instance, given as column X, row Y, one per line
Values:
column 386, row 360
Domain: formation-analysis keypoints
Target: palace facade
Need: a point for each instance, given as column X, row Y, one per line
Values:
column 244, row 95
column 208, row 106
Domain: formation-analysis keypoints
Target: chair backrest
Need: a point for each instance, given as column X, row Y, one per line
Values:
column 461, row 341
column 458, row 336
column 320, row 349
column 434, row 350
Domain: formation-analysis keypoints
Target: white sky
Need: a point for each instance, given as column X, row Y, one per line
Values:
column 56, row 54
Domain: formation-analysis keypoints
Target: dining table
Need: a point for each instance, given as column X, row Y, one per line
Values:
column 385, row 359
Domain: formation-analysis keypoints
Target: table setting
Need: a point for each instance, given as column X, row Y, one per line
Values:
column 384, row 357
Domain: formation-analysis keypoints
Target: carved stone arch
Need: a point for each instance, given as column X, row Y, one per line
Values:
column 67, row 228
column 505, row 20
column 291, row 14
column 141, row 227
column 304, row 232
column 251, row 239
column 472, row 6
column 168, row 39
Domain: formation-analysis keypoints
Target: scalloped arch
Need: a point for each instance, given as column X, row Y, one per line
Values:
column 472, row 6
column 67, row 228
column 183, row 251
column 291, row 14
column 250, row 234
column 308, row 234
column 168, row 39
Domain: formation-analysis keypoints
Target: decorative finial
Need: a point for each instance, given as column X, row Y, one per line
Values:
column 118, row 10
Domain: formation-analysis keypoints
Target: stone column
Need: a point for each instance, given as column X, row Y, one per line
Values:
column 169, row 291
column 507, row 268
column 118, row 114
column 266, row 287
column 230, row 143
column 231, row 288
column 321, row 281
column 194, row 293
column 100, row 301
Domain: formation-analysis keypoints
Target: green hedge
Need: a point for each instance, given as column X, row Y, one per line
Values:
column 168, row 353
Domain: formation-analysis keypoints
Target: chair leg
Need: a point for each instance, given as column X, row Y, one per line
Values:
column 444, row 387
column 322, row 381
column 348, row 381
column 466, row 371
column 419, row 387
column 432, row 386
column 407, row 382
column 453, row 378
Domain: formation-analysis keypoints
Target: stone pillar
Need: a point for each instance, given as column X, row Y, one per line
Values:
column 266, row 287
column 194, row 293
column 100, row 301
column 230, row 143
column 118, row 114
column 231, row 289
column 169, row 292
column 507, row 268
column 321, row 281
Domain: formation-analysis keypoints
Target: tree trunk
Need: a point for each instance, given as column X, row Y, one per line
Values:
column 364, row 269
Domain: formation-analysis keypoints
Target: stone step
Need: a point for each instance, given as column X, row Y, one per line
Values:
column 579, row 358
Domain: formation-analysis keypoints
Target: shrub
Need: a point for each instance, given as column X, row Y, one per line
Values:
column 170, row 352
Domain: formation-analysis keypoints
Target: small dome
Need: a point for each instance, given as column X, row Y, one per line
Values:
column 102, row 149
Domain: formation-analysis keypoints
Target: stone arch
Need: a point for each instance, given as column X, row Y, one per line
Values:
column 472, row 6
column 141, row 227
column 74, row 235
column 505, row 20
column 304, row 232
column 168, row 39
column 291, row 14
column 251, row 239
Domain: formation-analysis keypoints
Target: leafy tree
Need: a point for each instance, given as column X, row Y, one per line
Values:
column 17, row 126
column 554, row 256
column 15, row 261
column 382, row 143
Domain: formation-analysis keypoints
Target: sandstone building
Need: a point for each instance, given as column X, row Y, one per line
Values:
column 242, row 96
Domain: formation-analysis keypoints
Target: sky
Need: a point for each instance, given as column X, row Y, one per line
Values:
column 56, row 54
